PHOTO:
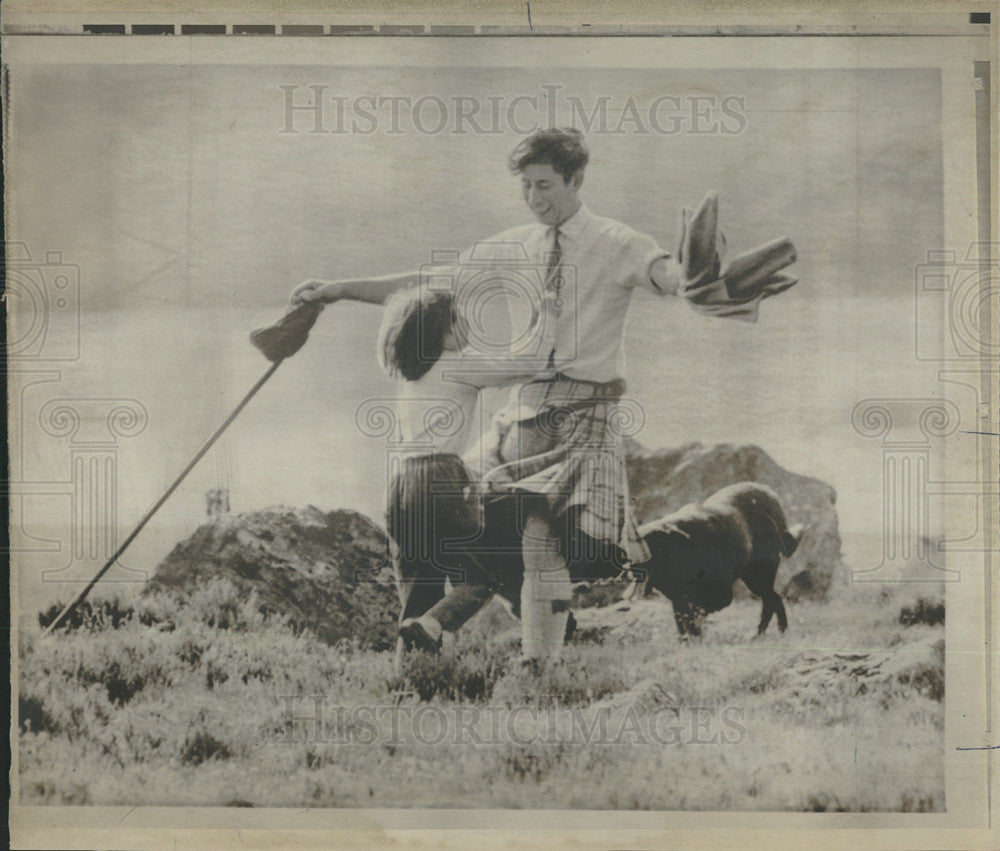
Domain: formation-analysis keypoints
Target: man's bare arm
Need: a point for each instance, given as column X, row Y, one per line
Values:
column 370, row 290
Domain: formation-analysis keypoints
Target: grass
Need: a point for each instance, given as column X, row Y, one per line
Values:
column 214, row 703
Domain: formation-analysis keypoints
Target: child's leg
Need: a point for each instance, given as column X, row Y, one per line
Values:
column 494, row 566
column 420, row 583
column 460, row 605
column 452, row 525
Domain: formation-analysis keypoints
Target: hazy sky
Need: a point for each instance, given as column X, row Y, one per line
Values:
column 176, row 186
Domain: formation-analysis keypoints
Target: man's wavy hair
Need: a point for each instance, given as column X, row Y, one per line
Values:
column 415, row 323
column 562, row 148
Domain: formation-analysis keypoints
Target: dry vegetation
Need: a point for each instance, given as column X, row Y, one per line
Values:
column 170, row 703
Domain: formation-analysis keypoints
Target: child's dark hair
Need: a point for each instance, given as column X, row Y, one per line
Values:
column 562, row 148
column 415, row 323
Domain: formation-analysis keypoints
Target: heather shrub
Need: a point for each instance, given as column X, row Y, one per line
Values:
column 922, row 611
column 216, row 605
column 204, row 699
column 576, row 679
column 460, row 674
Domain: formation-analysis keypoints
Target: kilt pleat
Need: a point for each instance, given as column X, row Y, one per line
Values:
column 581, row 464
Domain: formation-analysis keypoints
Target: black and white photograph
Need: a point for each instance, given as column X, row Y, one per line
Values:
column 520, row 428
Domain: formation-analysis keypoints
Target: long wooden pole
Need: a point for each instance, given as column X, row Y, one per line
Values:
column 200, row 454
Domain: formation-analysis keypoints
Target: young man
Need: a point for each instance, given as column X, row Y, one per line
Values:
column 555, row 450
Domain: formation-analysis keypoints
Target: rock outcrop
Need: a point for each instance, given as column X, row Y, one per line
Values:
column 328, row 572
column 663, row 481
column 919, row 664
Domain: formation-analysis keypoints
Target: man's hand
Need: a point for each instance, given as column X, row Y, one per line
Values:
column 314, row 290
column 737, row 290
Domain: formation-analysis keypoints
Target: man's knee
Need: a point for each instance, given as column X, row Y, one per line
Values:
column 545, row 574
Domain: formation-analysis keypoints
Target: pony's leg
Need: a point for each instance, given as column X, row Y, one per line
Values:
column 779, row 606
column 766, row 612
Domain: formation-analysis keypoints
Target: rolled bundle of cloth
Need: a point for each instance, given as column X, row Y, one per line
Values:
column 756, row 271
column 746, row 281
column 288, row 334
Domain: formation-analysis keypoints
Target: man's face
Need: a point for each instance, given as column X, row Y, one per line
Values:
column 549, row 197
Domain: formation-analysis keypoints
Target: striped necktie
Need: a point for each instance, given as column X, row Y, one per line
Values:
column 553, row 279
column 553, row 283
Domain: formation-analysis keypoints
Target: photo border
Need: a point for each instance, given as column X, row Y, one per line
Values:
column 969, row 820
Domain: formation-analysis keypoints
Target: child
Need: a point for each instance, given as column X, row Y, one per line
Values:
column 432, row 510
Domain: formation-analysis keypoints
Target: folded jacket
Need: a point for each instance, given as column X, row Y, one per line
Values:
column 697, row 252
column 749, row 278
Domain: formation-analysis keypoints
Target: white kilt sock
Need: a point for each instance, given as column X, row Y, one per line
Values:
column 545, row 594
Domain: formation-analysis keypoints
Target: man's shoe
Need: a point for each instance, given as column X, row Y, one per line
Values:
column 416, row 636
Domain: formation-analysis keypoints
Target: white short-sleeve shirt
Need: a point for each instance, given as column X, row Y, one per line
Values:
column 578, row 331
column 437, row 412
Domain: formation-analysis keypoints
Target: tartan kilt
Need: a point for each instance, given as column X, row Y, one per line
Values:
column 569, row 453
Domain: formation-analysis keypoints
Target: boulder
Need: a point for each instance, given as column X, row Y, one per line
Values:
column 663, row 481
column 919, row 664
column 328, row 572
